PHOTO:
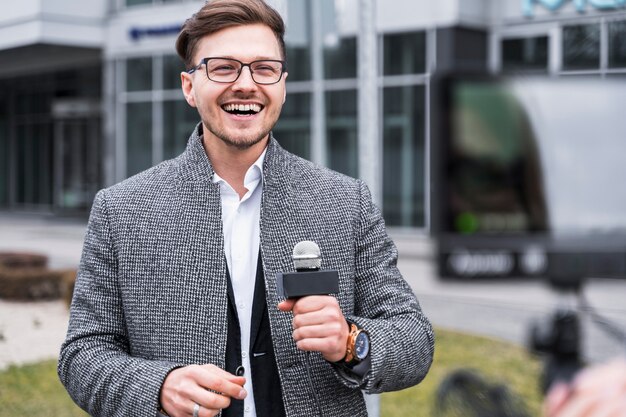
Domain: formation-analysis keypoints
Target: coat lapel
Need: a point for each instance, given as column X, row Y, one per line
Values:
column 278, row 237
column 200, row 230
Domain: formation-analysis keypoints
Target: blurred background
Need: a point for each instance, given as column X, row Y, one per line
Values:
column 478, row 177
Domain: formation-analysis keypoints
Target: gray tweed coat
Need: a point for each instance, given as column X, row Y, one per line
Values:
column 151, row 289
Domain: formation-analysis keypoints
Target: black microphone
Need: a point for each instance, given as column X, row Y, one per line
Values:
column 309, row 279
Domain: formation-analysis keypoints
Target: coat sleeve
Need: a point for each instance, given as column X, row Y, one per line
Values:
column 402, row 339
column 95, row 362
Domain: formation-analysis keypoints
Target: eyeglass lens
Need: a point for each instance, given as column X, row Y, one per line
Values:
column 227, row 70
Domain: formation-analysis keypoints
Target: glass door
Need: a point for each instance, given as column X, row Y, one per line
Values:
column 77, row 162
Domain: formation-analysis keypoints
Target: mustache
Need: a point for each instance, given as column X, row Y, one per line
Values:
column 242, row 96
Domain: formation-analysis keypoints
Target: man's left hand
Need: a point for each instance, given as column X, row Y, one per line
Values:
column 319, row 325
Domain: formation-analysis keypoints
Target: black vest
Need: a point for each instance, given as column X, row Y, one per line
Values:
column 268, row 397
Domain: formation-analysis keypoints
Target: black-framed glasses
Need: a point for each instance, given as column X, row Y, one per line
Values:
column 228, row 70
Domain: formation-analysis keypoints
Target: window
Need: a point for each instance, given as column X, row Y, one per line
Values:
column 341, row 131
column 139, row 74
column 404, row 53
column 172, row 67
column 293, row 130
column 525, row 54
column 617, row 44
column 179, row 120
column 130, row 3
column 34, row 162
column 403, row 155
column 4, row 151
column 298, row 63
column 340, row 59
column 138, row 137
column 581, row 47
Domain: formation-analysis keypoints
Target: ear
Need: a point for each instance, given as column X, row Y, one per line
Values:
column 186, row 81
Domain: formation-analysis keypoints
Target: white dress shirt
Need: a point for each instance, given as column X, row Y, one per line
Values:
column 240, row 218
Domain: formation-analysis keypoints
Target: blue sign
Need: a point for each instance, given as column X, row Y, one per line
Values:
column 581, row 5
column 136, row 33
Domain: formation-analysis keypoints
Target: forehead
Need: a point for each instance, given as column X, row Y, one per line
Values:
column 244, row 42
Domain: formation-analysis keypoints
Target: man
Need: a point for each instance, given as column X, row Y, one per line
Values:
column 176, row 306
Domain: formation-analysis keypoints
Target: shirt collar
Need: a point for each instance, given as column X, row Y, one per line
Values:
column 253, row 174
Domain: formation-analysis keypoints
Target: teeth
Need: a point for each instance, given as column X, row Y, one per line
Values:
column 243, row 107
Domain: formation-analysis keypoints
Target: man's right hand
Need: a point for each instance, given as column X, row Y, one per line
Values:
column 205, row 385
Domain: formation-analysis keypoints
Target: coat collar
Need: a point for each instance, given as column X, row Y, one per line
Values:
column 195, row 165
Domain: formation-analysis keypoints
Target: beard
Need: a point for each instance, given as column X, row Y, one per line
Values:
column 240, row 142
column 243, row 139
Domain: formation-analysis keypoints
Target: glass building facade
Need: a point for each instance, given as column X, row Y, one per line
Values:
column 156, row 121
column 72, row 127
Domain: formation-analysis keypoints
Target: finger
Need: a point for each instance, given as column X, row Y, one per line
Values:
column 329, row 348
column 286, row 305
column 313, row 344
column 313, row 303
column 203, row 412
column 239, row 380
column 327, row 330
column 556, row 397
column 218, row 383
column 326, row 315
column 601, row 376
column 210, row 400
column 578, row 406
column 614, row 408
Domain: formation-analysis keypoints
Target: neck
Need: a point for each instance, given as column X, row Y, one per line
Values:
column 232, row 163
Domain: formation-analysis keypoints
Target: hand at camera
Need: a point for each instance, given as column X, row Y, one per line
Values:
column 597, row 391
column 318, row 325
column 206, row 385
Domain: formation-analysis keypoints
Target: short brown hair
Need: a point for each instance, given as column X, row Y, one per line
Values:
column 216, row 15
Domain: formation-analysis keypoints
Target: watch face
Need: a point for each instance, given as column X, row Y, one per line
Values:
column 362, row 346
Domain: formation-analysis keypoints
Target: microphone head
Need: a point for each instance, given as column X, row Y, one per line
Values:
column 306, row 256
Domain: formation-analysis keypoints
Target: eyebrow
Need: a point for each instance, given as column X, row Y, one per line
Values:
column 258, row 58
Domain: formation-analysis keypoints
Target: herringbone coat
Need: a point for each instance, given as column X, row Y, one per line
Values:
column 151, row 290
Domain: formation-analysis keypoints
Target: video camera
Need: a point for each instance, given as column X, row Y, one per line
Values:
column 527, row 177
column 527, row 183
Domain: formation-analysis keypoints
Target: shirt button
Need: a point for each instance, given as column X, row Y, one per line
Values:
column 247, row 409
column 244, row 354
column 242, row 306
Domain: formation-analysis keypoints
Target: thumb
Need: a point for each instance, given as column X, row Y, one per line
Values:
column 286, row 305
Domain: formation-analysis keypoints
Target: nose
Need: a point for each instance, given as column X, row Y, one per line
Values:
column 245, row 81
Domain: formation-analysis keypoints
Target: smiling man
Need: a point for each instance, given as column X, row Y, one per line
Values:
column 176, row 310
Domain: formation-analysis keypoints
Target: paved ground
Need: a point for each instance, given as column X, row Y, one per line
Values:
column 34, row 331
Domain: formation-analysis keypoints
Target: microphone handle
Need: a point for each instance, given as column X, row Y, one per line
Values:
column 300, row 284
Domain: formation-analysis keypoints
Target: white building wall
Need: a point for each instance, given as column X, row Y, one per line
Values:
column 340, row 16
column 19, row 11
column 59, row 22
column 404, row 15
column 119, row 41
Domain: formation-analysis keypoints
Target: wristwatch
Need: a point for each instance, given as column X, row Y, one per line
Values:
column 358, row 345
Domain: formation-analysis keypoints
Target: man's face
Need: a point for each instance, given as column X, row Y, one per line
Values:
column 245, row 43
